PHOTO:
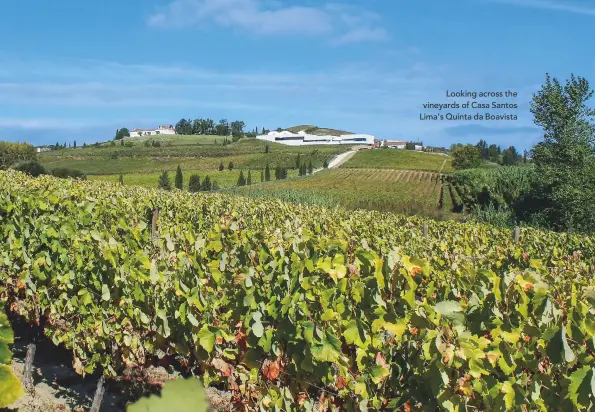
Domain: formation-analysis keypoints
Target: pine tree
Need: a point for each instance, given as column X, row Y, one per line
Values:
column 267, row 173
column 310, row 167
column 298, row 161
column 121, row 179
column 278, row 172
column 194, row 183
column 179, row 178
column 164, row 182
column 230, row 166
column 249, row 181
column 241, row 179
column 256, row 130
column 261, row 175
column 74, row 145
column 221, row 166
column 325, row 164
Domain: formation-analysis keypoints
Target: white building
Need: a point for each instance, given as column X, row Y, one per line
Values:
column 40, row 149
column 151, row 132
column 302, row 138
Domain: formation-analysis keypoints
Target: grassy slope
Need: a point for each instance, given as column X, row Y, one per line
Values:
column 399, row 159
column 190, row 152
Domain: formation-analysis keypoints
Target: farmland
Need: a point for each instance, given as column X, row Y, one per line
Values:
column 399, row 159
column 404, row 191
column 190, row 152
column 288, row 305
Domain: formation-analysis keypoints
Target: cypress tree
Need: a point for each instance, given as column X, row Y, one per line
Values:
column 121, row 179
column 230, row 166
column 267, row 173
column 310, row 167
column 241, row 179
column 194, row 183
column 206, row 184
column 249, row 181
column 266, row 149
column 298, row 161
column 261, row 176
column 164, row 182
column 74, row 144
column 278, row 172
column 179, row 178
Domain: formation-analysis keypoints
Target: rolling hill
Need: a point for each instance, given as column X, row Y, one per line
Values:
column 319, row 131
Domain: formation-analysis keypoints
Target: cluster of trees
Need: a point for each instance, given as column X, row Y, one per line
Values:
column 194, row 183
column 121, row 133
column 11, row 153
column 562, row 194
column 209, row 127
column 302, row 167
column 470, row 156
column 33, row 168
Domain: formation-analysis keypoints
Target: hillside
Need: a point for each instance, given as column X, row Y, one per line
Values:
column 319, row 131
column 400, row 160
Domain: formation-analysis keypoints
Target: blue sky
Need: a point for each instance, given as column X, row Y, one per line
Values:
column 79, row 70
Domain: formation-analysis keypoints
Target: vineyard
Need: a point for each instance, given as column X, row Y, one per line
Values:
column 399, row 159
column 290, row 306
column 403, row 191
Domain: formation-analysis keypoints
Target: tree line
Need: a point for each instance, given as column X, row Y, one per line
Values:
column 222, row 128
column 467, row 156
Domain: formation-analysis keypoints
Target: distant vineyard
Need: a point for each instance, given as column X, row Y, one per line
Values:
column 403, row 191
column 399, row 159
column 291, row 306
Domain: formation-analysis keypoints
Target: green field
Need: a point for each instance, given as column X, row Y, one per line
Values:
column 399, row 159
column 404, row 191
column 190, row 152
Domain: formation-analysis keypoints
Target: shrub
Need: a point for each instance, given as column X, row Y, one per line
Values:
column 63, row 172
column 30, row 167
column 164, row 182
column 194, row 183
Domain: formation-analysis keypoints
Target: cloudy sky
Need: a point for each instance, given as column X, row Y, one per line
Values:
column 74, row 69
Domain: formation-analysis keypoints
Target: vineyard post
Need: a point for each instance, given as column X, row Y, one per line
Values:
column 517, row 234
column 425, row 229
column 28, row 371
column 154, row 222
column 98, row 395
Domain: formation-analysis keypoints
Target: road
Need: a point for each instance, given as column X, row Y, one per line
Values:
column 338, row 160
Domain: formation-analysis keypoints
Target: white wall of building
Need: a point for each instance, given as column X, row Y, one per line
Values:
column 302, row 138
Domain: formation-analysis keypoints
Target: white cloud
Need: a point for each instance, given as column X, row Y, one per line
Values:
column 362, row 35
column 564, row 6
column 340, row 20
